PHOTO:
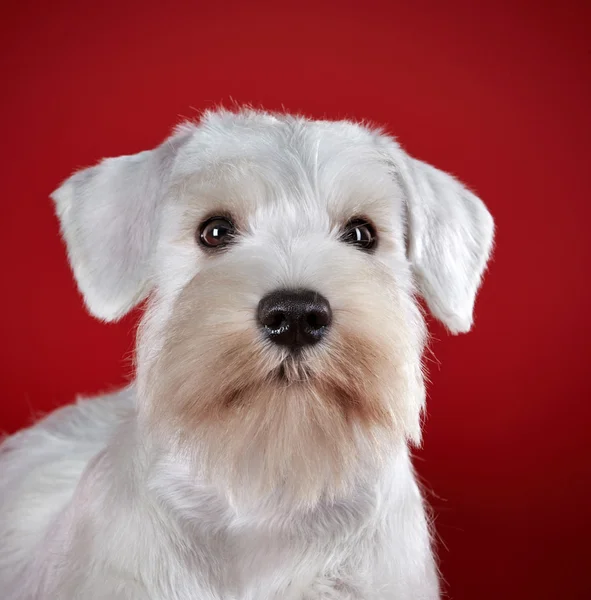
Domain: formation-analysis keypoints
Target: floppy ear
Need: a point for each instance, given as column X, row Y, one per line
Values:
column 449, row 238
column 109, row 216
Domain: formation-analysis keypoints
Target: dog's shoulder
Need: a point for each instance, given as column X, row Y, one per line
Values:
column 41, row 467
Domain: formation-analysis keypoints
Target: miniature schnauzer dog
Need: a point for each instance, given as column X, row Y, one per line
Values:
column 262, row 451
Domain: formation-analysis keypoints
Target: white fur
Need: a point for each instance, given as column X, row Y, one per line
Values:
column 155, row 492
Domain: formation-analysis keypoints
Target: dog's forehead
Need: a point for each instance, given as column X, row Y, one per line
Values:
column 251, row 161
column 225, row 135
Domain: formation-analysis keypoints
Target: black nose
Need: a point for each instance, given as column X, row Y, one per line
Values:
column 294, row 318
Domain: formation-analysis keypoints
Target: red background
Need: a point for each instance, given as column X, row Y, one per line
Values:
column 498, row 93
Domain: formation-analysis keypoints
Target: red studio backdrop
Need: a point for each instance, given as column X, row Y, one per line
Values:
column 499, row 93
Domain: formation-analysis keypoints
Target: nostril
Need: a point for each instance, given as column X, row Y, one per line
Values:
column 274, row 320
column 317, row 319
column 312, row 320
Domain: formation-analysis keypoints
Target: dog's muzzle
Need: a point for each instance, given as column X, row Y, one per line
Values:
column 294, row 318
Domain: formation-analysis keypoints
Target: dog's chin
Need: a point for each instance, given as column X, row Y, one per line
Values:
column 292, row 427
column 292, row 437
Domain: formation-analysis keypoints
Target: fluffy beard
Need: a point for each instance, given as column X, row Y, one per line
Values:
column 259, row 422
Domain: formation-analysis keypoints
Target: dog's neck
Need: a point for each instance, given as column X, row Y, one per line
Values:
column 174, row 485
column 170, row 477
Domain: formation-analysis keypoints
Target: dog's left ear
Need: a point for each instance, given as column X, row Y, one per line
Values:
column 110, row 216
column 449, row 240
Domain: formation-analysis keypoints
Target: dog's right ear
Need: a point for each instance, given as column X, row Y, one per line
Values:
column 110, row 216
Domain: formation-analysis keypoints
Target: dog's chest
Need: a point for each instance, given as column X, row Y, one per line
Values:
column 265, row 568
column 277, row 557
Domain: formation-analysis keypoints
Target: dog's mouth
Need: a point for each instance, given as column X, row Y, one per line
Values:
column 292, row 370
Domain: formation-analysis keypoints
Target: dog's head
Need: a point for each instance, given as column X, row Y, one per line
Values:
column 282, row 342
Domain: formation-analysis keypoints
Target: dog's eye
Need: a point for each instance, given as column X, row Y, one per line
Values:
column 360, row 233
column 216, row 232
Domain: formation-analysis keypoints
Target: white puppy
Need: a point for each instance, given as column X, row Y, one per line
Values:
column 262, row 451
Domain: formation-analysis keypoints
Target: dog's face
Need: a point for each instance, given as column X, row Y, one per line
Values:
column 281, row 347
